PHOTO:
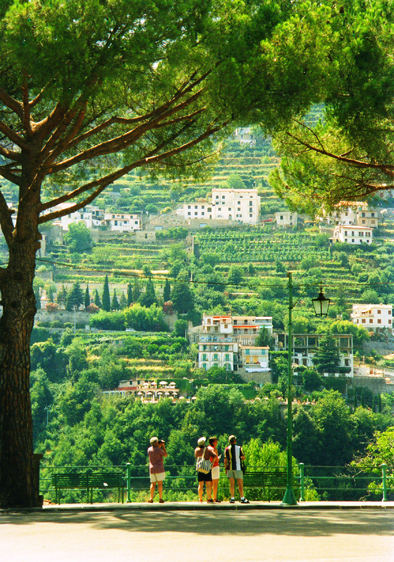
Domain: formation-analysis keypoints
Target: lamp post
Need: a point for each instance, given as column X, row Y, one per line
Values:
column 320, row 304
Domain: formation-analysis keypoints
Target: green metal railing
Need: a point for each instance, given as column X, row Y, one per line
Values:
column 310, row 483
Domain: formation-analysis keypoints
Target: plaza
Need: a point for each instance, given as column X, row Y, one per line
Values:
column 332, row 532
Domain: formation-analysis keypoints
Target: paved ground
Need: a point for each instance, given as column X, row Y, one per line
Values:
column 362, row 535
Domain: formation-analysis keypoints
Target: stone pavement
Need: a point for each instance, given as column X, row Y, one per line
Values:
column 164, row 533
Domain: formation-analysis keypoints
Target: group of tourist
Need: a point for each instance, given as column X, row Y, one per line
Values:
column 208, row 475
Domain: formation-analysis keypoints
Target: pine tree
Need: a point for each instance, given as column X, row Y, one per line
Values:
column 74, row 298
column 326, row 358
column 115, row 302
column 87, row 297
column 167, row 291
column 129, row 294
column 106, row 296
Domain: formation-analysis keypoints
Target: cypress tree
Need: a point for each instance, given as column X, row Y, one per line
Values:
column 38, row 298
column 149, row 297
column 87, row 296
column 115, row 302
column 106, row 296
column 136, row 290
column 122, row 301
column 62, row 296
column 129, row 294
column 167, row 291
column 97, row 300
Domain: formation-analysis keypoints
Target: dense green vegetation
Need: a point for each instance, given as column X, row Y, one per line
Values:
column 75, row 424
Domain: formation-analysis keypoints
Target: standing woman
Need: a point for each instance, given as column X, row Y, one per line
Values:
column 209, row 454
column 213, row 441
column 156, row 452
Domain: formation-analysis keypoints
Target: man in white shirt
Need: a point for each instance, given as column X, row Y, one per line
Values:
column 232, row 463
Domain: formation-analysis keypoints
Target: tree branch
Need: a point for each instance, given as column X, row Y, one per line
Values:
column 122, row 141
column 38, row 97
column 10, row 154
column 311, row 131
column 8, row 175
column 12, row 103
column 106, row 180
column 385, row 168
column 11, row 135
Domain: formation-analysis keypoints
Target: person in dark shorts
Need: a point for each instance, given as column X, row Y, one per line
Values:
column 209, row 454
column 233, row 456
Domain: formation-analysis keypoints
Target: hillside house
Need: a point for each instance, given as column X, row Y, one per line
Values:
column 353, row 234
column 373, row 316
column 237, row 205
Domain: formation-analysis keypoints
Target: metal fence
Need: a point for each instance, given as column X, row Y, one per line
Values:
column 311, row 483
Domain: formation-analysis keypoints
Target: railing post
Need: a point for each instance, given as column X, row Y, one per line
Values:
column 302, row 489
column 384, row 482
column 128, row 481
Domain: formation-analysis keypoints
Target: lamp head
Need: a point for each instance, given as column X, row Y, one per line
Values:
column 321, row 304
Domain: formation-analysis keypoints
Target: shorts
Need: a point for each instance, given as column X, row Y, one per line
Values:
column 157, row 477
column 236, row 474
column 204, row 477
column 215, row 473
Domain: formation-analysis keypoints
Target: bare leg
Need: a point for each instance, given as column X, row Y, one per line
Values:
column 160, row 487
column 209, row 490
column 200, row 490
column 232, row 486
column 152, row 490
column 241, row 487
column 215, row 489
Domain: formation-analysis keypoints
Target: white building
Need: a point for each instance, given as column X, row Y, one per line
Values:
column 355, row 213
column 353, row 234
column 122, row 222
column 230, row 342
column 254, row 359
column 217, row 351
column 373, row 316
column 244, row 135
column 196, row 210
column 92, row 217
column 306, row 345
column 238, row 205
column 286, row 218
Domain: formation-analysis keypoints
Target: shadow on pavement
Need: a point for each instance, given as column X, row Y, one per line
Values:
column 221, row 523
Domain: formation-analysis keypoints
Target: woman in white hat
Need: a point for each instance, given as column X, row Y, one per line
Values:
column 209, row 454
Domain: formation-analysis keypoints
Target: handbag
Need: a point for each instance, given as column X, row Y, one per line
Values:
column 203, row 465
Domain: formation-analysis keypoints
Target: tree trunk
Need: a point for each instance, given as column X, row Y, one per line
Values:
column 18, row 478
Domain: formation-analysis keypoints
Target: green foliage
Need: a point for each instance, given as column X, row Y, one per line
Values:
column 75, row 298
column 78, row 238
column 182, row 296
column 326, row 358
column 106, row 299
column 148, row 298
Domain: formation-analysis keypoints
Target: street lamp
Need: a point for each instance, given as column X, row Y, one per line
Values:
column 320, row 304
